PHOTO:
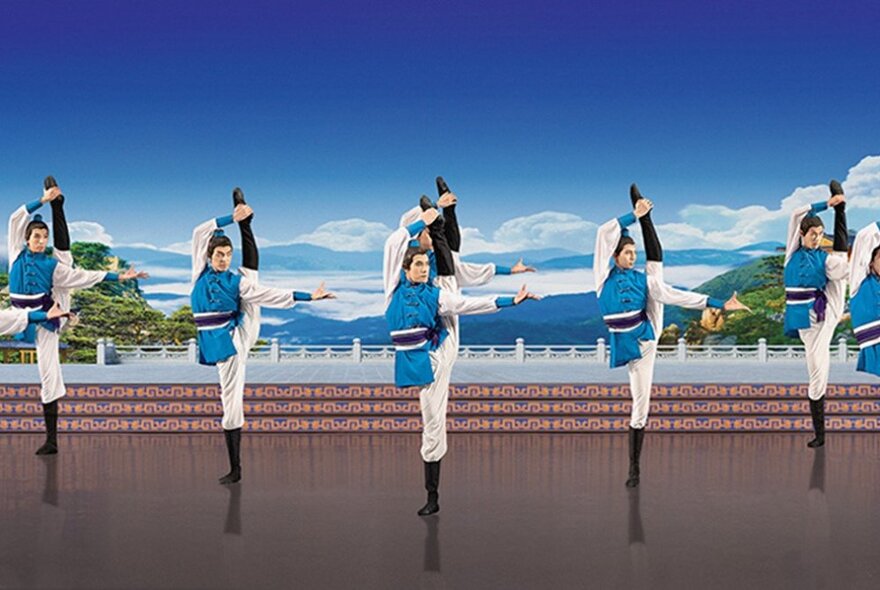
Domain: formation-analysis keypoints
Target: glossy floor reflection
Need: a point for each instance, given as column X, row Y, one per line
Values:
column 517, row 511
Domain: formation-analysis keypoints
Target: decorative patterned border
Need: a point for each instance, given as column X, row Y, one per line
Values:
column 561, row 407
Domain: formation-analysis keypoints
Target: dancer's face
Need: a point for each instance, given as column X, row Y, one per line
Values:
column 221, row 258
column 419, row 269
column 627, row 257
column 425, row 240
column 875, row 263
column 38, row 240
column 813, row 237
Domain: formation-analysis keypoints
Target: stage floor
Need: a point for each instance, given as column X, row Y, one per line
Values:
column 517, row 511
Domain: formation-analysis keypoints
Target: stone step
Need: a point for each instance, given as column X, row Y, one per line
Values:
column 493, row 391
column 348, row 424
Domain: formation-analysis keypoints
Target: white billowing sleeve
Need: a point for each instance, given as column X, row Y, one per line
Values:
column 201, row 236
column 15, row 233
column 836, row 266
column 253, row 292
column 867, row 239
column 664, row 293
column 793, row 239
column 66, row 277
column 392, row 260
column 607, row 238
column 63, row 256
column 455, row 304
column 470, row 274
column 13, row 321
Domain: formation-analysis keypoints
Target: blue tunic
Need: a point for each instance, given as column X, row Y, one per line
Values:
column 626, row 292
column 865, row 310
column 217, row 293
column 31, row 274
column 414, row 306
column 805, row 279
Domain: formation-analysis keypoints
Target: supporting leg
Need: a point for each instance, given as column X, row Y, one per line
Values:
column 233, row 448
column 50, row 415
column 817, row 412
column 636, row 436
column 432, row 483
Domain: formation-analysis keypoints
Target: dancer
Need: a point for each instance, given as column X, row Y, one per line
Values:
column 815, row 285
column 226, row 309
column 424, row 353
column 38, row 281
column 632, row 307
column 465, row 274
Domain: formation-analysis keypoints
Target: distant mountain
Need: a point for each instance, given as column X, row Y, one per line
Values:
column 740, row 279
column 308, row 257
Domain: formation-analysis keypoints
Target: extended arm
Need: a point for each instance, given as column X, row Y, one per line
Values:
column 666, row 294
column 68, row 277
column 253, row 292
column 455, row 304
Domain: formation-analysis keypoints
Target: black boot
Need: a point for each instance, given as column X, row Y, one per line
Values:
column 425, row 203
column 432, row 482
column 817, row 411
column 453, row 233
column 238, row 197
column 636, row 436
column 233, row 447
column 50, row 415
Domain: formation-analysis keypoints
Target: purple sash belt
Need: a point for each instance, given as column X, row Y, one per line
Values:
column 621, row 322
column 820, row 302
column 41, row 301
column 867, row 333
column 413, row 338
column 213, row 319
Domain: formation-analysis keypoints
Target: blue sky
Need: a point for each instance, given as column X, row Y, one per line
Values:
column 149, row 113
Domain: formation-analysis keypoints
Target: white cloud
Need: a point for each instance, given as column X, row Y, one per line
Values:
column 717, row 226
column 179, row 248
column 547, row 229
column 89, row 231
column 347, row 235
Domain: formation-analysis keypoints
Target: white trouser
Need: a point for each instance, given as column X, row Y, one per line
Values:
column 232, row 370
column 434, row 398
column 49, row 366
column 817, row 342
column 641, row 377
column 641, row 371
